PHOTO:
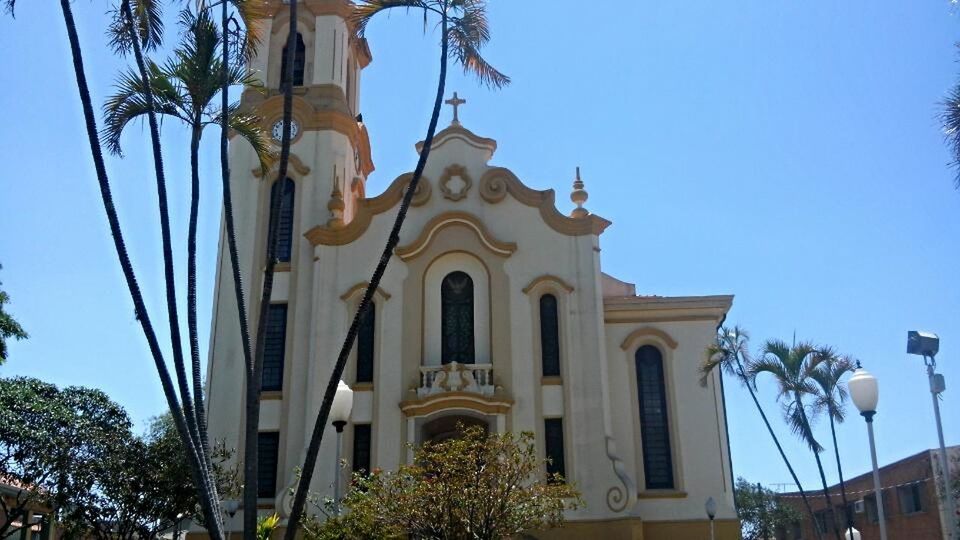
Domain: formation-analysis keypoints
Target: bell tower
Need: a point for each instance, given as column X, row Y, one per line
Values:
column 328, row 168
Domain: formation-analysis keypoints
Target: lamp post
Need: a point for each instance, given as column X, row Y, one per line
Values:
column 711, row 508
column 231, row 506
column 865, row 393
column 339, row 414
column 927, row 344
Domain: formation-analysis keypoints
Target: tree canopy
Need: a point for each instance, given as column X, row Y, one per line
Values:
column 9, row 327
column 475, row 486
column 760, row 511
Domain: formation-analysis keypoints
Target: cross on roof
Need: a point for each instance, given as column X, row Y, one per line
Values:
column 455, row 102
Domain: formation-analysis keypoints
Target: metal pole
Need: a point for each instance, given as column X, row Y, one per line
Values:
column 336, row 471
column 711, row 529
column 944, row 463
column 876, row 475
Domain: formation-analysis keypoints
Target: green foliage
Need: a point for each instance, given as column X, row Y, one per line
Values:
column 9, row 327
column 55, row 444
column 185, row 87
column 471, row 487
column 266, row 526
column 760, row 511
column 792, row 368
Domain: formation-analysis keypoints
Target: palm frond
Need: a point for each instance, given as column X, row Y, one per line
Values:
column 147, row 22
column 249, row 126
column 950, row 123
column 129, row 103
column 797, row 419
column 465, row 50
column 8, row 7
column 365, row 10
column 249, row 12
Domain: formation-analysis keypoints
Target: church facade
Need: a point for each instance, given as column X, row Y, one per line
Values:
column 494, row 310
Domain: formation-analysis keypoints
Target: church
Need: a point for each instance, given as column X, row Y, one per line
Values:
column 494, row 311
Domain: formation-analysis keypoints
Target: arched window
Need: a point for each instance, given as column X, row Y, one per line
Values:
column 285, row 219
column 299, row 61
column 456, row 318
column 549, row 336
column 365, row 341
column 654, row 425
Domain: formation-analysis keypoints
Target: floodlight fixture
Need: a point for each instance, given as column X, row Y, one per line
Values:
column 922, row 343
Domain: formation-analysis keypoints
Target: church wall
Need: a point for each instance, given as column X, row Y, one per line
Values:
column 701, row 469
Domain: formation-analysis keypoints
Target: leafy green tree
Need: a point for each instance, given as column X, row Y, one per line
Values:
column 55, row 444
column 830, row 399
column 793, row 367
column 9, row 327
column 730, row 353
column 475, row 486
column 760, row 511
column 463, row 33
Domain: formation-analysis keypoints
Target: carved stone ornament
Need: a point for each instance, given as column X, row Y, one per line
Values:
column 455, row 182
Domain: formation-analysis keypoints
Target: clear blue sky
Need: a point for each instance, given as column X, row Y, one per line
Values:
column 787, row 153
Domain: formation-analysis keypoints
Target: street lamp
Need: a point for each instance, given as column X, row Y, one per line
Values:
column 927, row 344
column 711, row 508
column 339, row 414
column 231, row 506
column 865, row 393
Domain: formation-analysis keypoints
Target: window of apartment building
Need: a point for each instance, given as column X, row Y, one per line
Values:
column 870, row 507
column 910, row 497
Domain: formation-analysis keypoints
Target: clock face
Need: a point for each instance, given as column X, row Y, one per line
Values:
column 277, row 130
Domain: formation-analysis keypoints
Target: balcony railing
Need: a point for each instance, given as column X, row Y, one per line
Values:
column 456, row 377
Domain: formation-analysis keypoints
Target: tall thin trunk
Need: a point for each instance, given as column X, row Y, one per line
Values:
column 823, row 477
column 313, row 448
column 843, row 487
column 191, row 414
column 255, row 371
column 169, row 391
column 776, row 441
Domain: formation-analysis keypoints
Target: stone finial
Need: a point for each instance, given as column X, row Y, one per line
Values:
column 579, row 196
column 336, row 205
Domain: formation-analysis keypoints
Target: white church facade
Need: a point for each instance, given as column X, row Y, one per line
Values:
column 494, row 310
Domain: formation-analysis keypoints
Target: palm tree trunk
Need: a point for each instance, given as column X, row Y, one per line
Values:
column 313, row 448
column 823, row 477
column 776, row 441
column 843, row 488
column 191, row 414
column 166, row 382
column 255, row 371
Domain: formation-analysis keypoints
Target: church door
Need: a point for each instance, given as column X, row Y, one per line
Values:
column 456, row 316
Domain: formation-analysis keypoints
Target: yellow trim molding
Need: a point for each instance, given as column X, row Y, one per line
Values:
column 645, row 332
column 271, row 395
column 362, row 387
column 547, row 278
column 449, row 219
column 458, row 132
column 294, row 162
column 366, row 209
column 455, row 400
column 360, row 287
column 498, row 181
column 553, row 380
column 662, row 494
column 450, row 172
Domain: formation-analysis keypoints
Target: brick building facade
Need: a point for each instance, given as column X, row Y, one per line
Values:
column 911, row 502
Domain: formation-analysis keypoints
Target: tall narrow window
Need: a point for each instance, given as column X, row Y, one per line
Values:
column 268, row 452
column 553, row 437
column 456, row 316
column 284, row 220
column 274, row 347
column 365, row 342
column 549, row 336
column 654, row 426
column 299, row 61
column 361, row 448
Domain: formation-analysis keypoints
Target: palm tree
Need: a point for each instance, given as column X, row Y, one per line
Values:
column 792, row 367
column 728, row 353
column 173, row 401
column 463, row 32
column 950, row 121
column 830, row 398
column 185, row 88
